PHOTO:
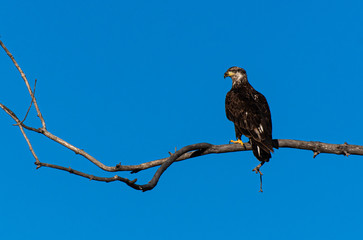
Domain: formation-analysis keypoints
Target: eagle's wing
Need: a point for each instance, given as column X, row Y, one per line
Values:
column 258, row 120
column 251, row 116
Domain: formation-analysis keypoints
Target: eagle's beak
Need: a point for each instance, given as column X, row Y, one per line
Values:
column 228, row 74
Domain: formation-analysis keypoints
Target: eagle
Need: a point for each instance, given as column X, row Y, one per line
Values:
column 249, row 111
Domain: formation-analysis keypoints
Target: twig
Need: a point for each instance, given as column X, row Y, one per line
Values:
column 31, row 102
column 26, row 83
column 12, row 114
column 261, row 183
column 316, row 153
column 257, row 170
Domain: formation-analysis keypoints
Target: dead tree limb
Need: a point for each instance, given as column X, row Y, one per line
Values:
column 187, row 152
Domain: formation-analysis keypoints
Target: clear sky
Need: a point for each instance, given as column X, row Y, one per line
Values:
column 129, row 81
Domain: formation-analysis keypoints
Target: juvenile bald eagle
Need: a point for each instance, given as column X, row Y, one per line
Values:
column 250, row 113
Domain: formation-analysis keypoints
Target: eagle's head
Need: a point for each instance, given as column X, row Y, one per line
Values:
column 237, row 74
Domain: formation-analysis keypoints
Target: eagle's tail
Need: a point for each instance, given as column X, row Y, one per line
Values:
column 260, row 151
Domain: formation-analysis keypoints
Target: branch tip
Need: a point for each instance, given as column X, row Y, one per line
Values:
column 170, row 153
column 316, row 153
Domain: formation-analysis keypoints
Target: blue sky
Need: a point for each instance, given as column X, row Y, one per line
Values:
column 131, row 81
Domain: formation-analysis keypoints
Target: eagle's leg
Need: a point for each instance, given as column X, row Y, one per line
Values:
column 238, row 141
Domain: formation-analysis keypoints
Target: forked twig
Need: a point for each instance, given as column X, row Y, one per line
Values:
column 12, row 114
column 31, row 102
column 26, row 83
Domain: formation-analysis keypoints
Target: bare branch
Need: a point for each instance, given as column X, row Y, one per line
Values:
column 200, row 149
column 187, row 152
column 86, row 175
column 26, row 83
column 340, row 149
column 132, row 183
column 12, row 114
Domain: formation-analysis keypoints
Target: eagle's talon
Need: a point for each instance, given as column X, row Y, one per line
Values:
column 238, row 141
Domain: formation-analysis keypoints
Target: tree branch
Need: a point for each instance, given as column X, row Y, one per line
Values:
column 187, row 152
column 12, row 114
column 200, row 149
column 26, row 83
